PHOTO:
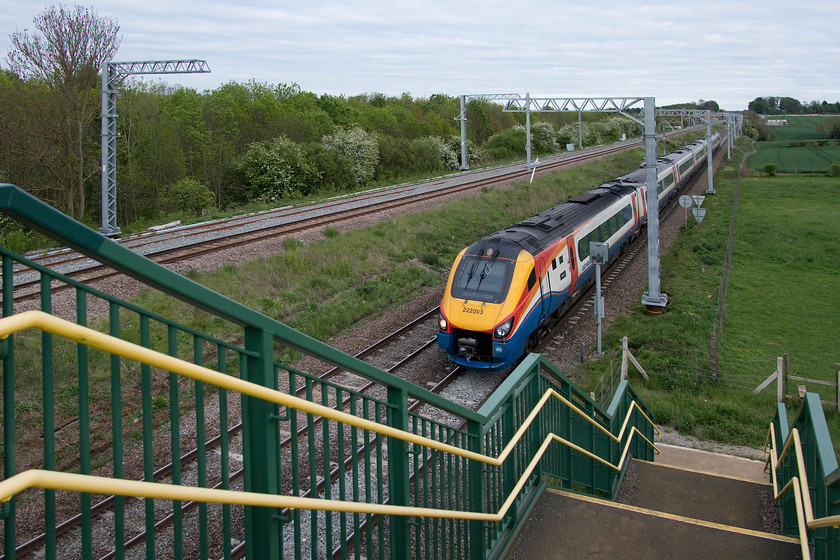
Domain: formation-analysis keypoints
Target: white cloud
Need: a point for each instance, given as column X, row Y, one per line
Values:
column 730, row 52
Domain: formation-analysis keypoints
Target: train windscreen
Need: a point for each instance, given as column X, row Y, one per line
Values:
column 482, row 279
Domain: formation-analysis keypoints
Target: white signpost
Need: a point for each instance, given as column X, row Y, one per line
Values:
column 685, row 202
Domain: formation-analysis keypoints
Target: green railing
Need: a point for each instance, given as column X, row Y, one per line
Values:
column 68, row 408
column 807, row 478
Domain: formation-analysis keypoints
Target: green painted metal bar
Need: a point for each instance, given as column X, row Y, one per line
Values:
column 224, row 446
column 175, row 446
column 328, row 460
column 342, row 483
column 312, row 463
column 369, row 483
column 9, row 510
column 398, row 489
column 84, row 425
column 201, row 444
column 116, row 433
column 48, row 403
column 148, row 437
column 354, row 470
column 262, row 438
column 294, row 465
column 475, row 476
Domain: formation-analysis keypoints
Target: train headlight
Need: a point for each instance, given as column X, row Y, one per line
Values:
column 442, row 322
column 504, row 329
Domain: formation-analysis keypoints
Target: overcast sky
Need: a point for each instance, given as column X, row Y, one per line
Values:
column 731, row 51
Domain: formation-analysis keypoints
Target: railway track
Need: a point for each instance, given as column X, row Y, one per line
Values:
column 212, row 237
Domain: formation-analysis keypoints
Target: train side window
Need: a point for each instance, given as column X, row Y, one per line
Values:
column 583, row 247
column 572, row 256
column 554, row 264
column 562, row 275
column 560, row 259
column 532, row 279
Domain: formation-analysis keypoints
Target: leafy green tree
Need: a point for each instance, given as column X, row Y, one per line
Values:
column 149, row 155
column 790, row 106
column 758, row 105
column 188, row 197
column 544, row 138
column 360, row 147
column 507, row 143
column 709, row 105
column 65, row 51
column 277, row 169
column 829, row 128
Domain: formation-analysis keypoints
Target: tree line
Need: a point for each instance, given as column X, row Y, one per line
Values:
column 770, row 105
column 181, row 152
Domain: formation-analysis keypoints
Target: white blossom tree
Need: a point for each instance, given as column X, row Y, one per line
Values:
column 362, row 149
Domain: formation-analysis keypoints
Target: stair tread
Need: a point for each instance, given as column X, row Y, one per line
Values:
column 728, row 501
column 711, row 462
column 566, row 526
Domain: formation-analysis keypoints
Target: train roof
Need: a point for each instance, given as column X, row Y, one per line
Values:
column 535, row 233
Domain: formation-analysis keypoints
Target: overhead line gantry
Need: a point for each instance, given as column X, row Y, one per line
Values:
column 113, row 74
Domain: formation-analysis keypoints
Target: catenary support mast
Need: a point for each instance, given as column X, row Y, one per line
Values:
column 113, row 73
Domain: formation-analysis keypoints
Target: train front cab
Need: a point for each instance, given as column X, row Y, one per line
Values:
column 482, row 323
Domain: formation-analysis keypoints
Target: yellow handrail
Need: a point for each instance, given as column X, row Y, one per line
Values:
column 799, row 484
column 94, row 484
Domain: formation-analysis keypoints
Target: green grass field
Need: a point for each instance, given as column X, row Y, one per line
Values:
column 784, row 293
column 810, row 158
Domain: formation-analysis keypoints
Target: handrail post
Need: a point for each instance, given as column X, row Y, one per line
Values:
column 509, row 467
column 261, row 440
column 477, row 535
column 9, row 463
column 398, row 473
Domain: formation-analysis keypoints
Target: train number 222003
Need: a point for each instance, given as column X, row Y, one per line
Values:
column 473, row 310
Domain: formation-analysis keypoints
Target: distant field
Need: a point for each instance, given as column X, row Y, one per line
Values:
column 784, row 290
column 810, row 158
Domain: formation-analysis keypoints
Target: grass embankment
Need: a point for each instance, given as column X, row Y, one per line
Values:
column 783, row 294
column 797, row 148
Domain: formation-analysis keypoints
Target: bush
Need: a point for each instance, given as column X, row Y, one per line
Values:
column 277, row 168
column 335, row 170
column 835, row 170
column 507, row 144
column 188, row 197
column 544, row 138
column 770, row 169
column 475, row 153
column 360, row 147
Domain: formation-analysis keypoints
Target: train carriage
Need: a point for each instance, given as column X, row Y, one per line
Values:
column 504, row 288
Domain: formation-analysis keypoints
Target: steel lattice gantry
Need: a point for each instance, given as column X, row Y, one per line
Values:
column 113, row 73
column 463, row 117
column 733, row 126
column 653, row 297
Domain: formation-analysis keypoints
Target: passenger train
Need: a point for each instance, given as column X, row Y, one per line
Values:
column 505, row 288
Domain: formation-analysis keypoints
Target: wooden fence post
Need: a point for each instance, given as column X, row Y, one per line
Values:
column 624, row 358
column 781, row 380
column 785, row 372
column 837, row 375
